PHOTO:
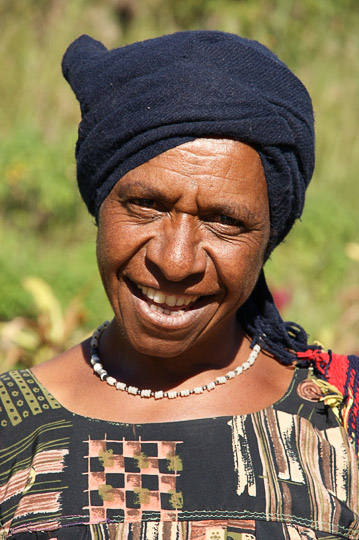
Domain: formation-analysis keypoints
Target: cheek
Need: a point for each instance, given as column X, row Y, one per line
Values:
column 108, row 252
column 239, row 267
column 102, row 259
column 119, row 245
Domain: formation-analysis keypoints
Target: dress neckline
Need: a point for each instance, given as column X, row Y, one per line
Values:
column 298, row 375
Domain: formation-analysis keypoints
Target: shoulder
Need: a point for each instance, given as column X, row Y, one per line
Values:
column 65, row 374
column 25, row 394
column 340, row 374
column 61, row 365
column 22, row 400
column 17, row 396
column 338, row 369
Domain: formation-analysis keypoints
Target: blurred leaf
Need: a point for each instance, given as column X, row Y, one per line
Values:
column 48, row 307
column 352, row 251
column 25, row 341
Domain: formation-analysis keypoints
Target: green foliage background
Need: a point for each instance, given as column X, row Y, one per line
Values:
column 44, row 228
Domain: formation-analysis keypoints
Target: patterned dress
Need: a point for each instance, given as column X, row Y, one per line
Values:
column 287, row 472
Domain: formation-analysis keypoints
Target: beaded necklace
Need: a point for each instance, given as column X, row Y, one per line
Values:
column 159, row 394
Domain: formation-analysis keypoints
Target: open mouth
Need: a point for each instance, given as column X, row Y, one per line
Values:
column 168, row 304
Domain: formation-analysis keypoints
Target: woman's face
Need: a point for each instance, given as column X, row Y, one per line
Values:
column 181, row 242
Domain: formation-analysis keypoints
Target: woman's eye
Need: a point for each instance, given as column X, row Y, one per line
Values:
column 225, row 220
column 223, row 224
column 144, row 203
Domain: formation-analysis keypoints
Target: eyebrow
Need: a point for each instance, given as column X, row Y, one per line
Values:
column 149, row 191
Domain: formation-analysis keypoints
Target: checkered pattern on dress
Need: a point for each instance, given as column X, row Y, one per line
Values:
column 133, row 480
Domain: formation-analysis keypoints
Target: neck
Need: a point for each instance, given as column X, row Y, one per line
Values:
column 199, row 364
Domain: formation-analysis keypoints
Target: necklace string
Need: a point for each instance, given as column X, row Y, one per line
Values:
column 159, row 394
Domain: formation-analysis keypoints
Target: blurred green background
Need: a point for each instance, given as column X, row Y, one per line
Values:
column 51, row 294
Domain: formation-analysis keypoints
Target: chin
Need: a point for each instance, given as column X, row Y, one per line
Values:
column 161, row 349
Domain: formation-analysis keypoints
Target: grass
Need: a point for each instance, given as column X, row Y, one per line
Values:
column 44, row 228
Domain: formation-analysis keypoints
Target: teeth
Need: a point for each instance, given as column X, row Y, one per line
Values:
column 159, row 297
column 148, row 292
column 171, row 300
column 159, row 309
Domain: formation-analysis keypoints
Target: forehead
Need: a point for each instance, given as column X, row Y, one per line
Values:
column 205, row 168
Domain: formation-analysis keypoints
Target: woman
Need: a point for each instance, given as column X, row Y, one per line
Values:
column 193, row 155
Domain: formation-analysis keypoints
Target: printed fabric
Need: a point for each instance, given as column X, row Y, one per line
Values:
column 338, row 377
column 287, row 472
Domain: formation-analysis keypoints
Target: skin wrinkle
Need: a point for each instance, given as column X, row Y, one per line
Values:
column 156, row 193
column 242, row 211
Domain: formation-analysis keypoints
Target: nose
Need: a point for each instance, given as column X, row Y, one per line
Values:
column 176, row 249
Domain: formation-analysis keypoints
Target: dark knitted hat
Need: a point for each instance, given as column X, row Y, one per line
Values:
column 143, row 99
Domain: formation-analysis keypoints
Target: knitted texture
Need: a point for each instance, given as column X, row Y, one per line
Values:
column 145, row 98
column 342, row 372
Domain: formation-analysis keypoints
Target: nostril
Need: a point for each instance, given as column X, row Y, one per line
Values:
column 176, row 255
column 164, row 277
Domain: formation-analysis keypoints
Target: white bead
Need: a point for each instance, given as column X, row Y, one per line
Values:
column 246, row 365
column 230, row 374
column 172, row 394
column 221, row 380
column 159, row 394
column 238, row 370
column 97, row 367
column 256, row 348
column 145, row 393
column 184, row 393
column 198, row 390
column 251, row 360
column 111, row 381
column 211, row 385
column 132, row 390
column 103, row 374
column 120, row 386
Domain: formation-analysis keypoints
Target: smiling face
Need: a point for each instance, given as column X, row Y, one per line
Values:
column 181, row 242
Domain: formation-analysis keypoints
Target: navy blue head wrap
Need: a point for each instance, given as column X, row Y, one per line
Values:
column 145, row 98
